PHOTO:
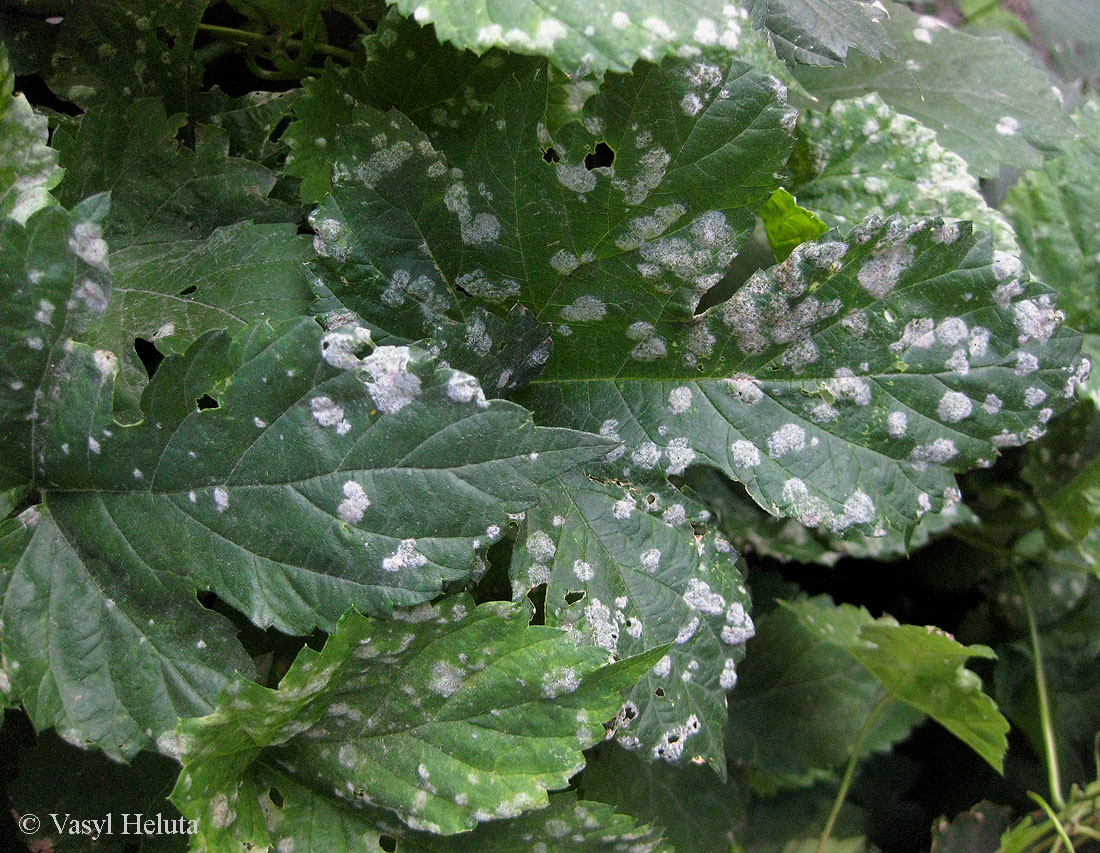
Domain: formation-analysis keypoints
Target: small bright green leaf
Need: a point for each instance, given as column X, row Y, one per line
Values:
column 53, row 284
column 28, row 166
column 982, row 96
column 789, row 225
column 861, row 158
column 56, row 778
column 321, row 480
column 626, row 572
column 920, row 666
column 598, row 35
column 453, row 716
column 160, row 190
column 821, row 32
column 1055, row 212
column 109, row 654
column 172, row 293
column 800, row 704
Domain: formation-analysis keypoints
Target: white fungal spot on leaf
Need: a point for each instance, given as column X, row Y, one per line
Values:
column 355, row 503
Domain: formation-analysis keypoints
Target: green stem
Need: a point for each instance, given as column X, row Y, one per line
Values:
column 1061, row 830
column 849, row 771
column 1050, row 747
column 248, row 37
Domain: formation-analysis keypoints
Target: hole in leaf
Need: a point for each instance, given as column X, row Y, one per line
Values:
column 629, row 712
column 187, row 291
column 574, row 595
column 601, row 158
column 550, row 155
column 659, row 693
column 150, row 356
column 276, row 796
column 206, row 402
column 387, row 843
column 651, row 498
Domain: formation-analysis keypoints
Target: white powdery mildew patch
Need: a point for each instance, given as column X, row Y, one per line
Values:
column 221, row 499
column 651, row 560
column 897, row 423
column 559, row 682
column 679, row 400
column 605, row 632
column 338, row 348
column 541, row 547
column 992, row 404
column 787, row 439
column 474, row 230
column 583, row 571
column 584, row 309
column 1034, row 396
column 920, row 334
column 699, row 596
column 1026, row 363
column 680, row 455
column 952, row 331
column 822, row 413
column 1036, row 319
column 674, row 515
column 672, row 743
column 728, row 678
column 662, row 667
column 858, row 509
column 739, row 627
column 354, row 504
column 880, row 273
column 329, row 414
column 1008, row 125
column 610, row 429
column 623, row 508
column 87, row 243
column 393, row 386
column 846, row 386
column 746, row 389
column 744, row 454
column 688, row 631
column 954, row 407
column 941, row 450
column 464, row 388
column 446, row 680
column 646, row 456
column 405, row 557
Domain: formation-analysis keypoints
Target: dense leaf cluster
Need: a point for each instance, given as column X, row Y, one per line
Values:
column 389, row 445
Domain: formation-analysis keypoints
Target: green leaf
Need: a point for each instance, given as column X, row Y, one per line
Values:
column 905, row 352
column 53, row 285
column 435, row 85
column 28, row 166
column 697, row 810
column 1055, row 210
column 820, row 32
column 457, row 716
column 564, row 239
column 250, row 121
column 861, row 158
column 321, row 480
column 981, row 96
column 598, row 36
column 55, row 778
column 800, row 705
column 1071, row 36
column 108, row 653
column 626, row 572
column 113, row 49
column 172, row 293
column 1064, row 471
column 160, row 190
column 977, row 830
column 920, row 666
column 788, row 225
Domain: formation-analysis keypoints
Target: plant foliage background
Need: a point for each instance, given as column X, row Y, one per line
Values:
column 455, row 425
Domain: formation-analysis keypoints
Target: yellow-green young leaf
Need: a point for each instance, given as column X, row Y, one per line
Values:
column 1055, row 211
column 861, row 158
column 920, row 666
column 800, row 704
column 626, row 571
column 983, row 97
column 448, row 716
column 788, row 225
column 28, row 166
